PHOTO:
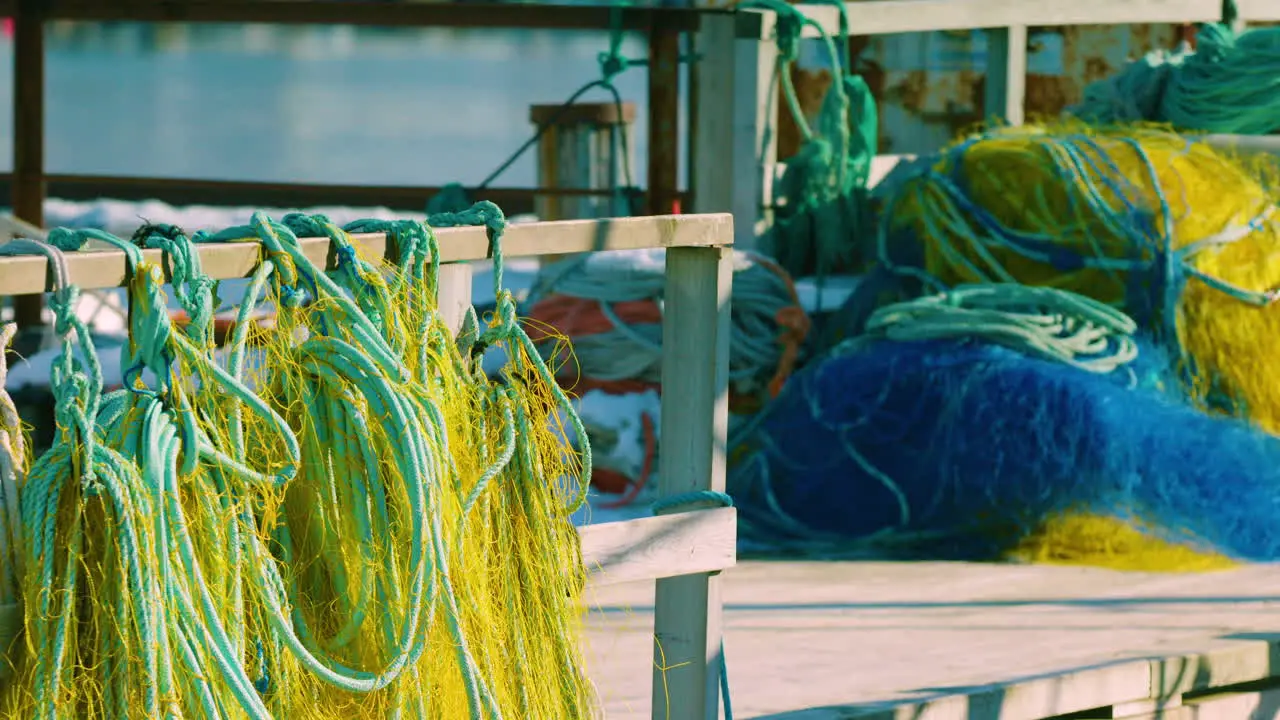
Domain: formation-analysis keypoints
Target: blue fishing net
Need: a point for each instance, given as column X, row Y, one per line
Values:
column 958, row 450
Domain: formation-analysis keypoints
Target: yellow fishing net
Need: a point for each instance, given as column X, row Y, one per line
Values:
column 1179, row 234
column 1101, row 213
column 345, row 518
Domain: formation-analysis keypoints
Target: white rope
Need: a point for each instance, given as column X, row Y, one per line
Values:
column 634, row 352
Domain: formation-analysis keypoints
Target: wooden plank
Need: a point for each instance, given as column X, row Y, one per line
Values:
column 453, row 297
column 1006, row 87
column 1253, row 705
column 736, row 97
column 693, row 436
column 192, row 191
column 387, row 13
column 700, row 541
column 28, row 190
column 881, row 17
column 962, row 641
column 664, row 119
column 1258, row 10
column 92, row 269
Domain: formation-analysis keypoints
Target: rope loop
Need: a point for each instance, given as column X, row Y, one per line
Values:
column 681, row 502
column 76, row 382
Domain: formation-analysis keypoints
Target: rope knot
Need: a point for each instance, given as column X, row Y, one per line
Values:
column 63, row 304
column 788, row 31
column 612, row 65
column 143, row 234
column 346, row 254
column 304, row 225
column 66, row 239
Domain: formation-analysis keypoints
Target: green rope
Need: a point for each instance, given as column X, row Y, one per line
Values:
column 453, row 198
column 138, row 449
column 821, row 199
column 1227, row 84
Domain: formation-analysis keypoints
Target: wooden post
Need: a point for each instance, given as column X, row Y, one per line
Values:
column 28, row 136
column 453, row 297
column 582, row 150
column 664, row 119
column 693, row 435
column 1006, row 85
column 736, row 152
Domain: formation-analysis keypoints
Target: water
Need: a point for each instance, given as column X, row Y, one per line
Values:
column 305, row 104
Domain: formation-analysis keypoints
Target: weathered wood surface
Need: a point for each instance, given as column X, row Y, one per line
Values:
column 106, row 268
column 939, row 641
column 657, row 547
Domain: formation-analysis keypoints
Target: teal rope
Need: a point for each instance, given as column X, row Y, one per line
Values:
column 454, row 198
column 1229, row 84
column 506, row 328
column 675, row 503
column 822, row 197
column 165, row 604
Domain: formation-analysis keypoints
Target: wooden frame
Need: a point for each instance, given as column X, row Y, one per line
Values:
column 29, row 180
column 683, row 551
column 737, row 165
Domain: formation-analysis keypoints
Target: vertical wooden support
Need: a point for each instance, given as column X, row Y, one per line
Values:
column 454, row 294
column 1006, row 87
column 582, row 150
column 693, row 435
column 736, row 150
column 28, row 135
column 664, row 119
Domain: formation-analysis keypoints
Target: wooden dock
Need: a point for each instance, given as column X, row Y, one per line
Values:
column 954, row 641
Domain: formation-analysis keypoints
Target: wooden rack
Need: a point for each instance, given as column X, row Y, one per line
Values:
column 683, row 551
column 29, row 181
column 737, row 163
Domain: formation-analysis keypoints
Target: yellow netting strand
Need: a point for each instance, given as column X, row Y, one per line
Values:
column 358, row 524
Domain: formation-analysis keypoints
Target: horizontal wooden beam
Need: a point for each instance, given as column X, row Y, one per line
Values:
column 94, row 269
column 882, row 17
column 685, row 543
column 385, row 13
column 234, row 193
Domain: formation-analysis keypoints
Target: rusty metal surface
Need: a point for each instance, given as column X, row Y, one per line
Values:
column 930, row 86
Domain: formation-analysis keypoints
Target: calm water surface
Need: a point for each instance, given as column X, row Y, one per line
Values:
column 315, row 104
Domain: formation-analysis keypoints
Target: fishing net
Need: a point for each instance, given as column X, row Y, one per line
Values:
column 1005, row 421
column 13, row 465
column 358, row 524
column 1180, row 235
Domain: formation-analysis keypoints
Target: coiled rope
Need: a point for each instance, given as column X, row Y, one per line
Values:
column 1038, row 322
column 769, row 325
column 1230, row 83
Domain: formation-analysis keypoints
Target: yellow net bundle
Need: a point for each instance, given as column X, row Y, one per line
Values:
column 1183, row 236
column 1180, row 235
column 349, row 521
